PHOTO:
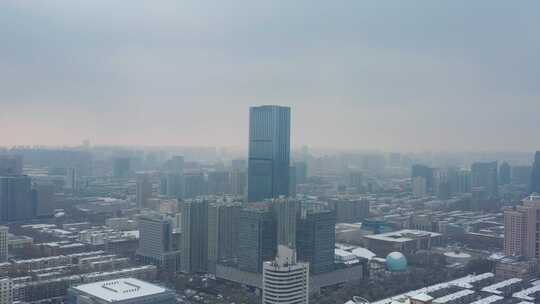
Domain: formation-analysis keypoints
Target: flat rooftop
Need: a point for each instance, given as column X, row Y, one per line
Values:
column 120, row 289
column 404, row 235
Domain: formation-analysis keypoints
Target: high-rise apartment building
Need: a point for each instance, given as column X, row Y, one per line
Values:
column 535, row 174
column 257, row 238
column 194, row 247
column 349, row 209
column 285, row 280
column 316, row 239
column 16, row 202
column 144, row 190
column 269, row 152
column 6, row 291
column 223, row 226
column 522, row 229
column 485, row 175
column 3, row 244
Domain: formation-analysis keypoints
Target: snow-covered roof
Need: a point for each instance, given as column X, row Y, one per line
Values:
column 120, row 289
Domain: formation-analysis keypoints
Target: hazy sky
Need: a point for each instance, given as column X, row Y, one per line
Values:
column 394, row 75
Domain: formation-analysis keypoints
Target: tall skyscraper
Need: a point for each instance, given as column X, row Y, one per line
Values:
column 316, row 239
column 419, row 187
column 3, row 244
column 485, row 175
column 194, row 249
column 535, row 174
column 144, row 190
column 156, row 243
column 504, row 173
column 301, row 172
column 16, row 202
column 521, row 229
column 285, row 280
column 269, row 152
column 257, row 238
column 223, row 226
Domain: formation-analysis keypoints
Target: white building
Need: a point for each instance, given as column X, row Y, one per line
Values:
column 6, row 291
column 285, row 280
column 3, row 243
column 121, row 291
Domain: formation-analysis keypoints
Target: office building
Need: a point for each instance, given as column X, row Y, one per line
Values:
column 522, row 175
column 521, row 229
column 419, row 186
column 355, row 181
column 174, row 185
column 4, row 242
column 301, row 172
column 505, row 173
column 144, row 190
column 238, row 182
column 156, row 243
column 16, row 202
column 316, row 238
column 120, row 291
column 121, row 167
column 219, row 182
column 535, row 174
column 292, row 181
column 286, row 212
column 176, row 164
column 285, row 280
column 223, row 226
column 194, row 247
column 485, row 175
column 406, row 241
column 425, row 172
column 463, row 181
column 194, row 185
column 6, row 291
column 72, row 180
column 349, row 209
column 44, row 198
column 11, row 165
column 257, row 238
column 269, row 152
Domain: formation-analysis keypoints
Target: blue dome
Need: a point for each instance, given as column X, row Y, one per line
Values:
column 396, row 261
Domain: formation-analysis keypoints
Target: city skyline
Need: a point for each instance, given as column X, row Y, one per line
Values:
column 369, row 75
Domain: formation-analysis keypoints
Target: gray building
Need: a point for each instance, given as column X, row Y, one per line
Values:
column 269, row 152
column 194, row 246
column 194, row 185
column 156, row 242
column 257, row 238
column 535, row 174
column 11, row 165
column 223, row 225
column 485, row 175
column 16, row 203
column 316, row 238
column 144, row 190
column 286, row 212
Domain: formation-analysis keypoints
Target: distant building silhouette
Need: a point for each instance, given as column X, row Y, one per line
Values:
column 535, row 174
column 504, row 173
column 485, row 175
